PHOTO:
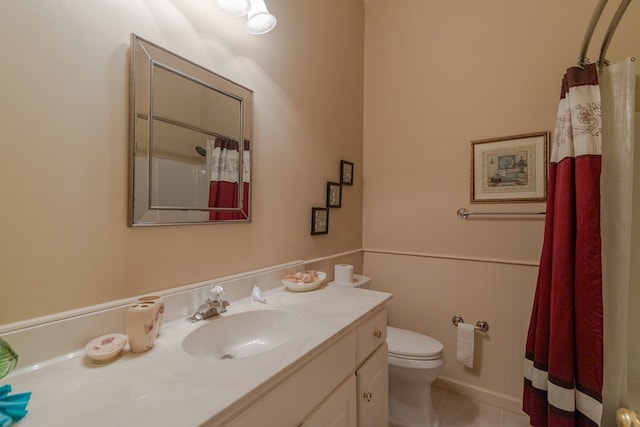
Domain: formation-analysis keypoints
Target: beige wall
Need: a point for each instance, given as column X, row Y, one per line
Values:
column 439, row 74
column 64, row 122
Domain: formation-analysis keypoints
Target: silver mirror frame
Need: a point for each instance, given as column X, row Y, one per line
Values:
column 141, row 211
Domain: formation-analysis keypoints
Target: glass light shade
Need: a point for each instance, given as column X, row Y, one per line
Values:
column 260, row 21
column 234, row 7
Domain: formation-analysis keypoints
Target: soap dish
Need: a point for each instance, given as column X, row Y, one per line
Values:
column 105, row 347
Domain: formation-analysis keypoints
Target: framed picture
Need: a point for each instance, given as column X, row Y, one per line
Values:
column 334, row 195
column 319, row 221
column 510, row 169
column 346, row 172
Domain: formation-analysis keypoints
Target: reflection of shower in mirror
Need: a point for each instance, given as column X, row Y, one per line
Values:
column 173, row 115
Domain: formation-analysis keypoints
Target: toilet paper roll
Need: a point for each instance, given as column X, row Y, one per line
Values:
column 343, row 274
column 466, row 336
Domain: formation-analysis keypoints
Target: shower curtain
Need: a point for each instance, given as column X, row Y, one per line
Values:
column 564, row 348
column 223, row 161
column 618, row 85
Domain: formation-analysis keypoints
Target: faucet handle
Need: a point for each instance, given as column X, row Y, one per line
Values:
column 217, row 292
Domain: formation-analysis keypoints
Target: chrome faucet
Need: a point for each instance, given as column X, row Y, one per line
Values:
column 213, row 305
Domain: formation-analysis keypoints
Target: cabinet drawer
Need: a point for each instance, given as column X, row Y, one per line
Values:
column 371, row 334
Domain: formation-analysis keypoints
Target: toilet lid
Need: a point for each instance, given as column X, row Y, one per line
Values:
column 412, row 344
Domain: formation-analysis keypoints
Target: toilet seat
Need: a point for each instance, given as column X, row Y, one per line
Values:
column 409, row 345
column 419, row 365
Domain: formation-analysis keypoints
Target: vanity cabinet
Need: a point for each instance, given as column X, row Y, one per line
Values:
column 345, row 385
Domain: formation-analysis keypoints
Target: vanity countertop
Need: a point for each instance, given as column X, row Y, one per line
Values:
column 166, row 386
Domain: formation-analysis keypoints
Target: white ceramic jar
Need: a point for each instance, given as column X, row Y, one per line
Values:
column 159, row 301
column 142, row 325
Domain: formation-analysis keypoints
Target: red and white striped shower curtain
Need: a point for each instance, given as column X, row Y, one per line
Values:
column 223, row 162
column 564, row 349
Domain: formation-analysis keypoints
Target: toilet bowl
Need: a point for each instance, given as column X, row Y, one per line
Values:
column 415, row 361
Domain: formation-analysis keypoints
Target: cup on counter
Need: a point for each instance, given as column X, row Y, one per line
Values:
column 142, row 325
column 159, row 304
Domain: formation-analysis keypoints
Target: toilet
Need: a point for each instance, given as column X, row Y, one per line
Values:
column 415, row 361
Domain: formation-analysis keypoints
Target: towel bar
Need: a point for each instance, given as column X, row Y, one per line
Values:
column 481, row 325
column 464, row 213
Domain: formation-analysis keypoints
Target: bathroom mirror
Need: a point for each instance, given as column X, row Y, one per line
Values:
column 190, row 142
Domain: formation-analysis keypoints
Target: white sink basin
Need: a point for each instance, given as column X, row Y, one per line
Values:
column 242, row 335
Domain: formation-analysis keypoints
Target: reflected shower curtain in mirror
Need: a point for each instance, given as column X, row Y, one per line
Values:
column 564, row 348
column 223, row 161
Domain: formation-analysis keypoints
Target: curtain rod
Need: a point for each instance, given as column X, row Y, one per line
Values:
column 602, row 61
column 597, row 13
column 582, row 61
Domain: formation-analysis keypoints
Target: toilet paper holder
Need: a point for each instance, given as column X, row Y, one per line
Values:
column 481, row 325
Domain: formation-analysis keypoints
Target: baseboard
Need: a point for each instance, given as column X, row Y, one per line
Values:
column 481, row 394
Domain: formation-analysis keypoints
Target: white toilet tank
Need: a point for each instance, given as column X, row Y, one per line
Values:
column 358, row 281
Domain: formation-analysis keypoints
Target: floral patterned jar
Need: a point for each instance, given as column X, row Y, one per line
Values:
column 142, row 326
column 159, row 309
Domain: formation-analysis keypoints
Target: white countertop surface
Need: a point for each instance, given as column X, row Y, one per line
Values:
column 165, row 386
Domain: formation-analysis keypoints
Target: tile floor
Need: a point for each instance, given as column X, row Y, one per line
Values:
column 456, row 410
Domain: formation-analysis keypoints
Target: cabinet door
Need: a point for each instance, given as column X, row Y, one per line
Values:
column 339, row 410
column 373, row 390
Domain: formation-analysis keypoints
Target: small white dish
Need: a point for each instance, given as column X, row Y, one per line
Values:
column 302, row 287
column 105, row 347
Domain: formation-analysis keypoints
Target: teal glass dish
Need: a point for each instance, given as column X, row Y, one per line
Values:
column 8, row 358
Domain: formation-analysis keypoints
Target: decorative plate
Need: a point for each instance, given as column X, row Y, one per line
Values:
column 105, row 347
column 297, row 285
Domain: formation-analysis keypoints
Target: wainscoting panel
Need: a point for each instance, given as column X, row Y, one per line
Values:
column 428, row 291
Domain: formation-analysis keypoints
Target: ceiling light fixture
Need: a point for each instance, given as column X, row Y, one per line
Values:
column 259, row 20
column 234, row 7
